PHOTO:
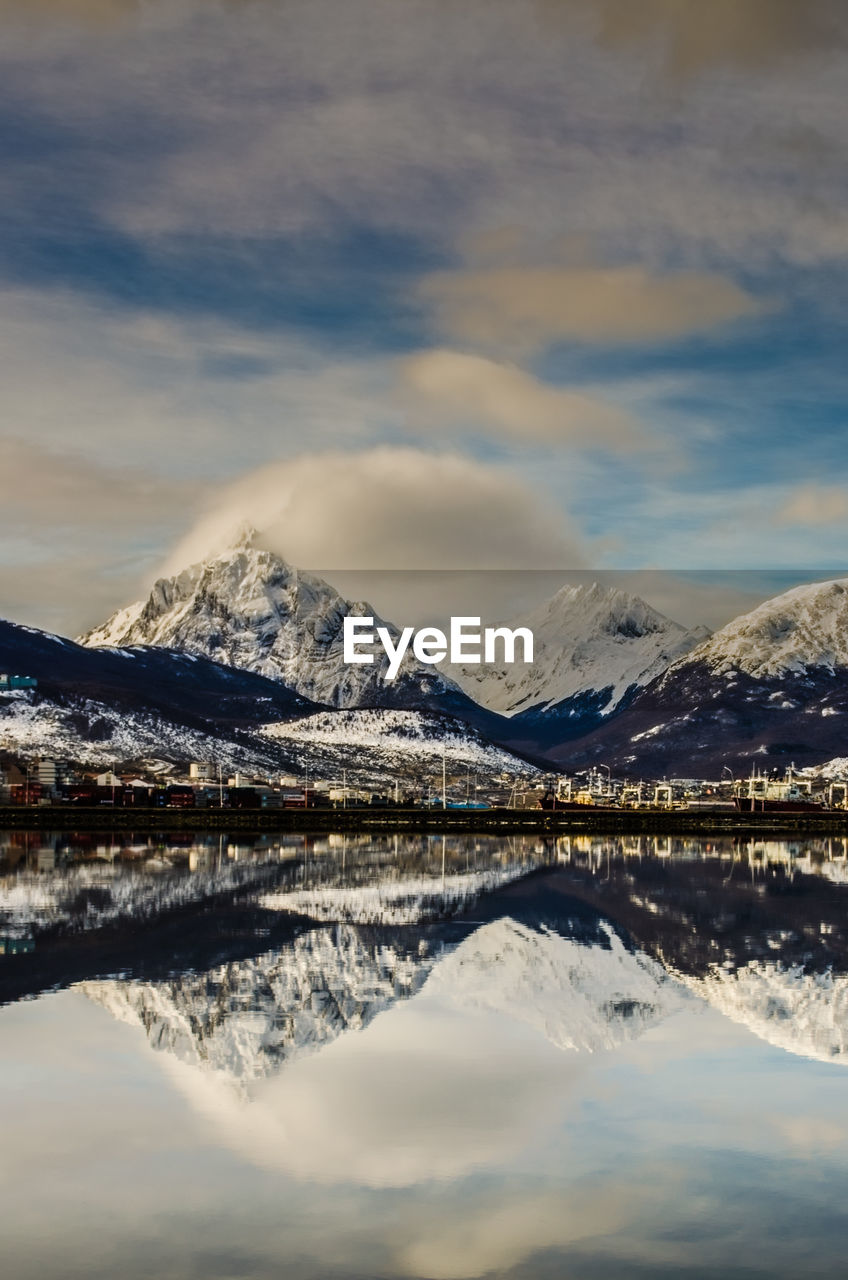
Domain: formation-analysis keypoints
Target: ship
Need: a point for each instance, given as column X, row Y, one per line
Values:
column 760, row 794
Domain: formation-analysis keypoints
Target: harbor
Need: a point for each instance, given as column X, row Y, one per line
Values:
column 500, row 820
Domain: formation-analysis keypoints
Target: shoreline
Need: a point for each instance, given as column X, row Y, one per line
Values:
column 436, row 821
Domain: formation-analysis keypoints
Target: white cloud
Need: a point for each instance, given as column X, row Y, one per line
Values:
column 483, row 117
column 525, row 307
column 455, row 388
column 388, row 508
column 814, row 504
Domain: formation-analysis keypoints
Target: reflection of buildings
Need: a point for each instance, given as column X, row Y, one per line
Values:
column 758, row 928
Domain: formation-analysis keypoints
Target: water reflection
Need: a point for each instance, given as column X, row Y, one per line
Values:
column 585, row 1056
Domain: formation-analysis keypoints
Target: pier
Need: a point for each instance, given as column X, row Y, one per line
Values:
column 496, row 821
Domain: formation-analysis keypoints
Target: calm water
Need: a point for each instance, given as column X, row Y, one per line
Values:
column 423, row 1057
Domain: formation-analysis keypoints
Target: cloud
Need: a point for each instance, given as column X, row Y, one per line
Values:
column 163, row 391
column 814, row 504
column 420, row 1095
column 523, row 307
column 453, row 387
column 76, row 10
column 76, row 532
column 432, row 128
column 52, row 489
column 388, row 508
column 491, row 1238
column 695, row 38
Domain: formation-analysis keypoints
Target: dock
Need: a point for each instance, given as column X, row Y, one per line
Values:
column 496, row 821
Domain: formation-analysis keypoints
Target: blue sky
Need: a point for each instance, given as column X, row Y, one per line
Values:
column 579, row 263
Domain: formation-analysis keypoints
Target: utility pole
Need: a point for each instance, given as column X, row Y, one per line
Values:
column 444, row 778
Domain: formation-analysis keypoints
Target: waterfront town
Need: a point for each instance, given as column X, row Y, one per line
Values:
column 203, row 784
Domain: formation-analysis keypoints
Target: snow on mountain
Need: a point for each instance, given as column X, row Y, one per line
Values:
column 101, row 735
column 583, row 998
column 588, row 640
column 407, row 900
column 835, row 770
column 804, row 628
column 248, row 608
column 799, row 1012
column 90, row 897
column 393, row 738
column 764, row 691
column 104, row 705
column 247, row 1018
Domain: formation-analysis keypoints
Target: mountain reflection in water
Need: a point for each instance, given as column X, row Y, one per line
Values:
column 586, row 1055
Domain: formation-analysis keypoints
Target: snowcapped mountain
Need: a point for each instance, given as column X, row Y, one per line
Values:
column 245, row 1020
column 102, row 706
column 395, row 901
column 800, row 1012
column 392, row 740
column 768, row 689
column 593, row 646
column 583, row 998
column 248, row 608
column 105, row 705
column 805, row 628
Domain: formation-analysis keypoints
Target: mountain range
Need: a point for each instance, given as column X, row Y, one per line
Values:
column 770, row 688
column 243, row 653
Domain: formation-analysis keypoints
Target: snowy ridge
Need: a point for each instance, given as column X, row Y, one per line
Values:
column 835, row 770
column 248, row 608
column 582, row 998
column 91, row 897
column 94, row 733
column 246, row 1019
column 803, row 628
column 395, row 902
column 396, row 734
column 587, row 639
column 801, row 1013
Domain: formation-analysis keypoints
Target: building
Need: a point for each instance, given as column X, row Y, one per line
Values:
column 8, row 682
column 203, row 771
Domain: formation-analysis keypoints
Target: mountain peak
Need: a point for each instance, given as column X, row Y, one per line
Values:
column 589, row 640
column 804, row 628
column 244, row 536
column 247, row 608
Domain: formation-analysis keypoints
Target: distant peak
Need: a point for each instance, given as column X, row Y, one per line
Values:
column 244, row 538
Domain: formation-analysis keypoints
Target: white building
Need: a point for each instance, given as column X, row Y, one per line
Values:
column 203, row 771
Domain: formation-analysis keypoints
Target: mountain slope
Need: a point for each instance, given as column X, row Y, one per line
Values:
column 769, row 688
column 249, row 609
column 802, row 630
column 108, row 704
column 395, row 739
column 103, row 706
column 247, row 1020
column 594, row 647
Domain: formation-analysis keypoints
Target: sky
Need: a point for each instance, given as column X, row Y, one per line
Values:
column 419, row 284
column 685, row 1151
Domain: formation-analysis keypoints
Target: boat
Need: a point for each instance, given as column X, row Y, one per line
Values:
column 563, row 799
column 760, row 794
